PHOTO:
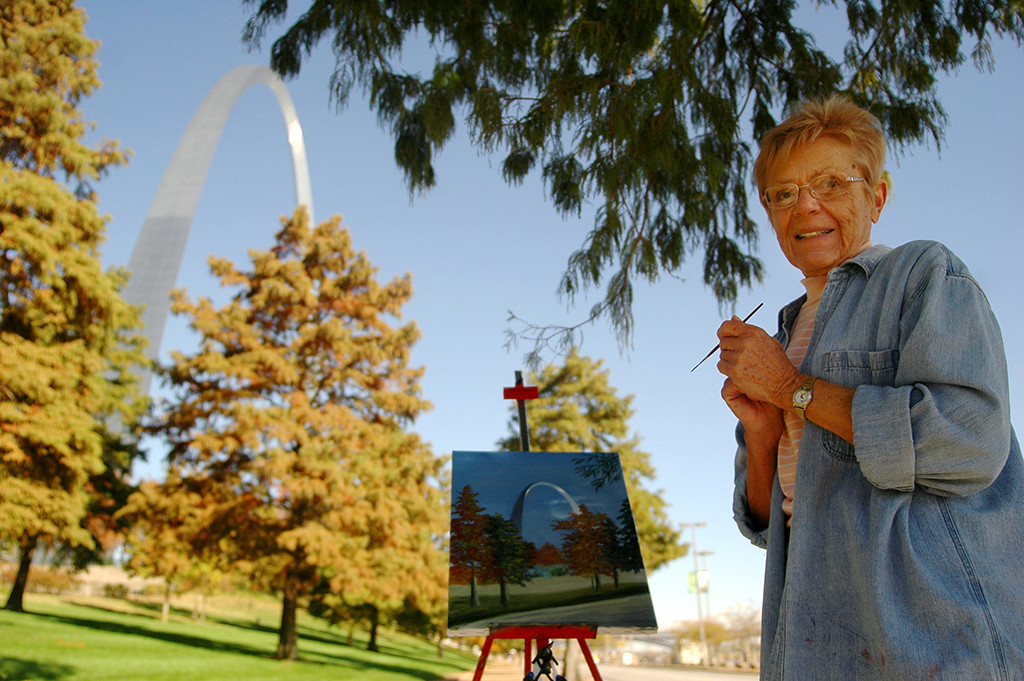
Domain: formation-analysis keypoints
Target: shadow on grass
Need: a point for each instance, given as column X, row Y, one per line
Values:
column 346, row 657
column 330, row 637
column 13, row 668
column 327, row 659
column 186, row 614
column 169, row 637
column 235, row 622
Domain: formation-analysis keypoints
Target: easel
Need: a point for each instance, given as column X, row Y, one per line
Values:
column 542, row 634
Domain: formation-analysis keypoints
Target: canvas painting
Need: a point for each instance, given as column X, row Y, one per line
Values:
column 544, row 539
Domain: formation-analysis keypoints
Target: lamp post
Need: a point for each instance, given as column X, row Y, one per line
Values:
column 696, row 582
column 707, row 581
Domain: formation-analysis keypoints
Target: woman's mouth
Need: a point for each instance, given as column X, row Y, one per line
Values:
column 808, row 235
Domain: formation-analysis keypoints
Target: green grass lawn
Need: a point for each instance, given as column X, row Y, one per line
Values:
column 100, row 638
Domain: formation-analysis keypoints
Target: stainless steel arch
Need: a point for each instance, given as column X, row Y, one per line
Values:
column 517, row 509
column 156, row 258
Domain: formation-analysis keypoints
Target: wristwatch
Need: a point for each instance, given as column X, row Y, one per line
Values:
column 802, row 397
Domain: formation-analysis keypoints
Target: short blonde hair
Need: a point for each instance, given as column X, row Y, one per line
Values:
column 836, row 117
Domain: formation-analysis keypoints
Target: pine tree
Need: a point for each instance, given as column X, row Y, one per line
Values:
column 161, row 517
column 107, row 493
column 287, row 425
column 468, row 542
column 579, row 411
column 628, row 555
column 401, row 567
column 588, row 541
column 647, row 109
column 510, row 557
column 67, row 338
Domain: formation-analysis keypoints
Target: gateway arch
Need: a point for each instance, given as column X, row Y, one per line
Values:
column 156, row 258
column 518, row 508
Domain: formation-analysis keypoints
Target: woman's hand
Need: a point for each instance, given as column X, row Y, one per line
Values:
column 760, row 375
column 755, row 415
column 751, row 356
column 758, row 370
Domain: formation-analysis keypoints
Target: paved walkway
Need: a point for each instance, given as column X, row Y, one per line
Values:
column 503, row 670
column 496, row 670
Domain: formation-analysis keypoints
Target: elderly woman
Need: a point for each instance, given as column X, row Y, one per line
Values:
column 876, row 460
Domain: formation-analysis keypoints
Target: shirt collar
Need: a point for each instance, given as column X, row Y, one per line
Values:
column 867, row 259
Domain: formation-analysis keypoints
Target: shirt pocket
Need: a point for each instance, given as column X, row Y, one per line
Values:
column 853, row 368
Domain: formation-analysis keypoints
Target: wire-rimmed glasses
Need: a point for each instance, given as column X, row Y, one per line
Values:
column 823, row 187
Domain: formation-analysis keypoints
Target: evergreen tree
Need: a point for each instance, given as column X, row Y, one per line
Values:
column 401, row 567
column 468, row 542
column 579, row 411
column 628, row 555
column 644, row 108
column 287, row 427
column 510, row 556
column 107, row 492
column 588, row 541
column 160, row 519
column 67, row 339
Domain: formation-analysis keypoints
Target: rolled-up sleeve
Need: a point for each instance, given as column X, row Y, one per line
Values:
column 944, row 425
column 740, row 506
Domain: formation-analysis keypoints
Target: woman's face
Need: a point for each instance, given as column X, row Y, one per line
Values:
column 816, row 235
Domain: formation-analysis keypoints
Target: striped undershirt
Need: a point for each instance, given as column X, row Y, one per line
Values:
column 796, row 350
column 799, row 339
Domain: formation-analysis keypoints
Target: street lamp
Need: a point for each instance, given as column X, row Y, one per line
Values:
column 706, row 586
column 696, row 583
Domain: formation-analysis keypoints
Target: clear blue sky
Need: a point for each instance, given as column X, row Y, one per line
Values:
column 477, row 248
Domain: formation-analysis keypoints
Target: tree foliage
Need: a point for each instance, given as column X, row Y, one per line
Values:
column 400, row 570
column 487, row 548
column 468, row 549
column 588, row 541
column 107, row 492
column 160, row 518
column 287, row 429
column 579, row 411
column 510, row 556
column 68, row 341
column 643, row 108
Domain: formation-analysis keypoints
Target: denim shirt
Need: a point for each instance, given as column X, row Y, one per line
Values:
column 905, row 558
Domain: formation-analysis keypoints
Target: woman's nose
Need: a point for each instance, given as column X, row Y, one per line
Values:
column 805, row 201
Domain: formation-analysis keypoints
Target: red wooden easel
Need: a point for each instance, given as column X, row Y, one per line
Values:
column 542, row 635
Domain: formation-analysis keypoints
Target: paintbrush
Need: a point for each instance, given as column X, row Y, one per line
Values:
column 720, row 345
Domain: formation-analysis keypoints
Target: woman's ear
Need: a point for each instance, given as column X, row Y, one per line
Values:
column 880, row 196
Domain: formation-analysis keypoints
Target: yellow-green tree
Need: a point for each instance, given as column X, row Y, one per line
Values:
column 160, row 517
column 580, row 411
column 400, row 570
column 288, row 425
column 67, row 338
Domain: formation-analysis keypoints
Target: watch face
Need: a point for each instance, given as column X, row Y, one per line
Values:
column 802, row 396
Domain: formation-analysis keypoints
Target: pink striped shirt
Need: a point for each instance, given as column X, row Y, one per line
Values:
column 799, row 339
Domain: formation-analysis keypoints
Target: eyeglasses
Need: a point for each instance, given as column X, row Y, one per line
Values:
column 824, row 187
